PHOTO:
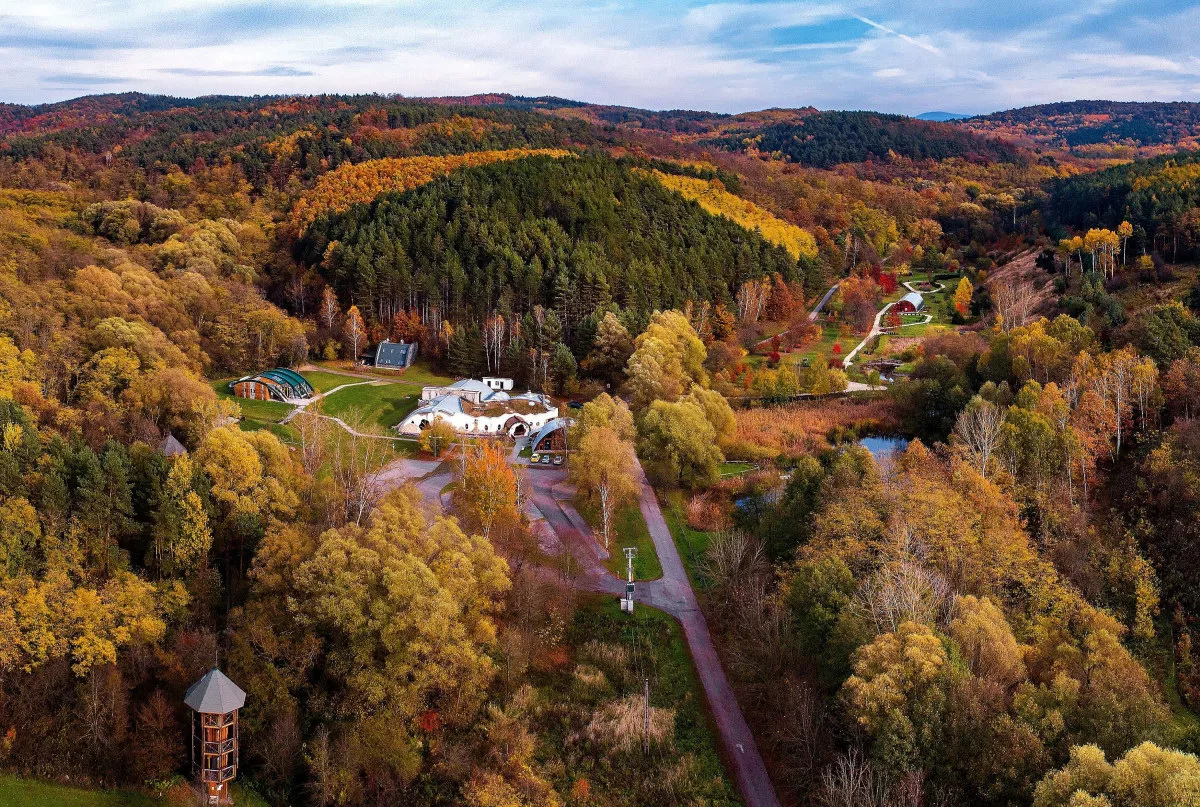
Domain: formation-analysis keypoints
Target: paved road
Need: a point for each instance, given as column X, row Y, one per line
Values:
column 812, row 315
column 671, row 593
column 592, row 575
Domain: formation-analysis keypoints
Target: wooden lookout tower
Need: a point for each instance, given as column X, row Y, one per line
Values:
column 215, row 701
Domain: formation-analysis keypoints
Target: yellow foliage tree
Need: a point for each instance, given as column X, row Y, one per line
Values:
column 359, row 183
column 712, row 196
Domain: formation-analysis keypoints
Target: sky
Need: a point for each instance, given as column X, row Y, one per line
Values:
column 966, row 56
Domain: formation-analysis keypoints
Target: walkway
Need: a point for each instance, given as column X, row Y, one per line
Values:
column 673, row 594
column 876, row 329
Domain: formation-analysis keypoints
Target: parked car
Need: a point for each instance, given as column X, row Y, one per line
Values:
column 545, row 459
column 574, row 405
column 534, row 457
column 558, row 459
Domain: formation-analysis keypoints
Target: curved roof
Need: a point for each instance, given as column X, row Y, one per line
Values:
column 215, row 694
column 550, row 427
column 913, row 297
column 283, row 377
column 289, row 378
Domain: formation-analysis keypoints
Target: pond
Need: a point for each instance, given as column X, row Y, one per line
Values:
column 881, row 447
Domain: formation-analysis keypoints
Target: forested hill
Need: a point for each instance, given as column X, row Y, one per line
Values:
column 825, row 139
column 1100, row 128
column 1154, row 193
column 572, row 234
column 270, row 138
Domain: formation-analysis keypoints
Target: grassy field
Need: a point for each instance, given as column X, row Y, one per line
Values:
column 323, row 381
column 735, row 468
column 380, row 405
column 256, row 414
column 630, row 530
column 650, row 645
column 16, row 792
column 420, row 373
column 819, row 351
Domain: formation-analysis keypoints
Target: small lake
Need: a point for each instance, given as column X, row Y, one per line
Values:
column 881, row 447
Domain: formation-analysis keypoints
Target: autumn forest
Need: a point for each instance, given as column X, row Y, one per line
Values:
column 901, row 417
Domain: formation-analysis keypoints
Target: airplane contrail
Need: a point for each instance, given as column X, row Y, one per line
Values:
column 894, row 32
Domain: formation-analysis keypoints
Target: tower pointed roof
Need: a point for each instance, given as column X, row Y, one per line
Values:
column 215, row 694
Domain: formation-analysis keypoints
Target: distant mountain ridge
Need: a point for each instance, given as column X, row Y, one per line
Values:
column 942, row 117
column 1121, row 129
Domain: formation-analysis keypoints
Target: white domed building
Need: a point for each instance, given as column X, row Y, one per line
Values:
column 481, row 407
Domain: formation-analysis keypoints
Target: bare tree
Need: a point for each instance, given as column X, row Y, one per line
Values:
column 803, row 732
column 1014, row 304
column 314, row 437
column 329, row 308
column 979, row 429
column 357, row 455
column 752, row 299
column 904, row 591
column 323, row 784
column 493, row 341
column 852, row 782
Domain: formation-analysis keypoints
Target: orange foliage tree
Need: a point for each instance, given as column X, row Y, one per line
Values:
column 488, row 487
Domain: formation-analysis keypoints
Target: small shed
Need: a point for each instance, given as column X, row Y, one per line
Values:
column 910, row 303
column 391, row 355
column 171, row 447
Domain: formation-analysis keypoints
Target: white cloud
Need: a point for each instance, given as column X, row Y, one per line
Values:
column 963, row 55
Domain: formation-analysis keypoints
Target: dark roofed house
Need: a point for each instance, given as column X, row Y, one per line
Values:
column 171, row 447
column 391, row 355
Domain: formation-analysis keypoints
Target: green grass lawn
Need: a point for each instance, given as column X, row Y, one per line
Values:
column 821, row 350
column 380, row 405
column 929, row 329
column 735, row 468
column 256, row 414
column 690, row 543
column 16, row 792
column 421, row 373
column 323, row 381
column 629, row 529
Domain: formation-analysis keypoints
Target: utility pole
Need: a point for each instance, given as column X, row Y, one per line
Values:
column 646, row 724
column 627, row 600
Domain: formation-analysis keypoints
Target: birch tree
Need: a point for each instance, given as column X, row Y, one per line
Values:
column 979, row 430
